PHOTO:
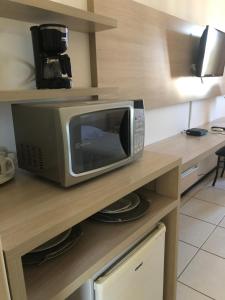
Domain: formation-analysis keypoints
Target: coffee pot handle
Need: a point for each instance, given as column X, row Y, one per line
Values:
column 65, row 65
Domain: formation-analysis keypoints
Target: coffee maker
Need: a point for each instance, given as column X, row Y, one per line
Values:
column 53, row 68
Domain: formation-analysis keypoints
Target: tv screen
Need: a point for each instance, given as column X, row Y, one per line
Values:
column 211, row 53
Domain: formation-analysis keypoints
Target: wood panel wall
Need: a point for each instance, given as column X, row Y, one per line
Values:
column 150, row 55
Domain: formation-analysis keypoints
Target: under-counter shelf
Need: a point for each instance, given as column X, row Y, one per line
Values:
column 46, row 11
column 33, row 210
column 17, row 96
column 99, row 244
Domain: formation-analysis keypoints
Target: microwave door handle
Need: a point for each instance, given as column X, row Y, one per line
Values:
column 125, row 134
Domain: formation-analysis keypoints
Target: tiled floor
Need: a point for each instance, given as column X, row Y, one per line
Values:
column 201, row 259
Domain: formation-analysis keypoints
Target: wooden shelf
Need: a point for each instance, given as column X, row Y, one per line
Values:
column 99, row 244
column 46, row 11
column 33, row 210
column 17, row 96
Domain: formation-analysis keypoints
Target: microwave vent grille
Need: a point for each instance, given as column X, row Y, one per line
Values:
column 30, row 156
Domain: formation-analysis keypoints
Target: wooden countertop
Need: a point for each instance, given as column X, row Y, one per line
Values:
column 33, row 210
column 191, row 149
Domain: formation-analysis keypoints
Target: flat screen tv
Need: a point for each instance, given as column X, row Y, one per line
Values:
column 211, row 53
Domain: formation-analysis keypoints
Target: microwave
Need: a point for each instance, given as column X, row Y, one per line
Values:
column 69, row 142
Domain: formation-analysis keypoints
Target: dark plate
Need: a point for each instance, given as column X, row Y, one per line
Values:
column 125, row 204
column 50, row 253
column 53, row 242
column 131, row 215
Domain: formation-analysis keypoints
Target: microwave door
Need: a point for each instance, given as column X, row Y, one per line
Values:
column 99, row 139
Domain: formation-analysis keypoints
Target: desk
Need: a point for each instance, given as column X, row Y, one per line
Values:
column 191, row 149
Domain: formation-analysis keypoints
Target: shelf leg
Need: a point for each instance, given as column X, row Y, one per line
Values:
column 4, row 288
column 170, row 274
column 16, row 277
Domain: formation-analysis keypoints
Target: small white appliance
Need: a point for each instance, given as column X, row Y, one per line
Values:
column 137, row 276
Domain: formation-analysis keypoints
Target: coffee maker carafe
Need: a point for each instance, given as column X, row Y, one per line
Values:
column 53, row 68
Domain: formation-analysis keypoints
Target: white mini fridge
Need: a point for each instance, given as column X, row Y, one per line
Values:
column 138, row 275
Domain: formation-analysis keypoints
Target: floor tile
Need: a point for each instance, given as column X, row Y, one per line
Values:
column 184, row 199
column 216, row 243
column 185, row 254
column 206, row 274
column 193, row 231
column 186, row 293
column 222, row 223
column 208, row 212
column 220, row 183
column 211, row 194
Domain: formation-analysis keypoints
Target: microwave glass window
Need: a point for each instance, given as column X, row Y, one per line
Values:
column 99, row 139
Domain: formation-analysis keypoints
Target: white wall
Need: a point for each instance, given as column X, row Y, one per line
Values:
column 207, row 110
column 16, row 63
column 164, row 122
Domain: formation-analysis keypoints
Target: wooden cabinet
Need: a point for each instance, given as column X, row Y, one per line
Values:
column 193, row 174
column 189, row 177
column 206, row 165
column 33, row 211
column 197, row 153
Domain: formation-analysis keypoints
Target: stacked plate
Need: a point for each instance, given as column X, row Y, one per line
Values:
column 129, row 208
column 54, row 247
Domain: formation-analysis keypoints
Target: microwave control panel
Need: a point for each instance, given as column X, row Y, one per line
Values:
column 139, row 130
